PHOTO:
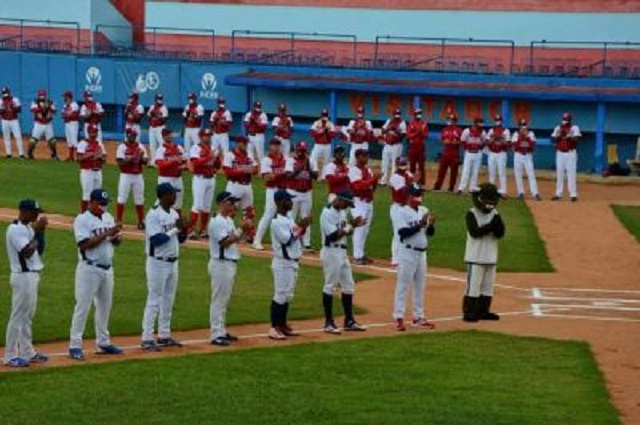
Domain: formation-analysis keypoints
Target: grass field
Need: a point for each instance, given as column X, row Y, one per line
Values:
column 249, row 303
column 629, row 216
column 56, row 186
column 440, row 378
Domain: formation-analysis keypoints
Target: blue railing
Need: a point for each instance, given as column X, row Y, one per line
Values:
column 22, row 41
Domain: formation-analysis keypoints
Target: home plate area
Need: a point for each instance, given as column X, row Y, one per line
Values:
column 590, row 304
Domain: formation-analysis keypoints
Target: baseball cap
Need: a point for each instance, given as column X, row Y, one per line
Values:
column 241, row 139
column 338, row 149
column 275, row 141
column 166, row 131
column 99, row 195
column 478, row 120
column 401, row 161
column 205, row 132
column 362, row 152
column 415, row 190
column 346, row 195
column 281, row 195
column 301, row 147
column 131, row 131
column 29, row 205
column 226, row 197
column 164, row 188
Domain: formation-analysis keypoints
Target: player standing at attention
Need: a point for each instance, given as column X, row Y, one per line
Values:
column 91, row 157
column 283, row 127
column 337, row 173
column 473, row 141
column 158, row 115
column 323, row 132
column 524, row 143
column 96, row 235
column 91, row 113
column 70, row 116
column 286, row 244
column 25, row 244
column 205, row 162
column 164, row 234
column 360, row 133
column 192, row 117
column 273, row 173
column 450, row 158
column 255, row 123
column 43, row 110
column 393, row 132
column 415, row 225
column 498, row 144
column 399, row 183
column 363, row 185
column 171, row 161
column 131, row 157
column 133, row 113
column 10, row 109
column 336, row 227
column 417, row 133
column 300, row 176
column 566, row 137
column 220, row 122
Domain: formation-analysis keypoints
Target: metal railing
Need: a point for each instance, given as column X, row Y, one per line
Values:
column 21, row 39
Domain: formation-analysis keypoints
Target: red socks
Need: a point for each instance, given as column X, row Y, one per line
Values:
column 84, row 205
column 193, row 220
column 119, row 211
column 204, row 221
column 140, row 213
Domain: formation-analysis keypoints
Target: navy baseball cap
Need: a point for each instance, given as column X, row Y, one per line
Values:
column 415, row 190
column 164, row 188
column 346, row 195
column 99, row 195
column 29, row 205
column 281, row 195
column 338, row 149
column 226, row 197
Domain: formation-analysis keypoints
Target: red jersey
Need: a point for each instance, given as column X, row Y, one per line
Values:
column 283, row 129
column 564, row 143
column 363, row 182
column 275, row 164
column 219, row 122
column 337, row 176
column 392, row 134
column 43, row 111
column 417, row 132
column 132, row 154
column 497, row 143
column 239, row 166
column 9, row 108
column 70, row 112
column 300, row 175
column 474, row 139
column 169, row 160
column 192, row 115
column 360, row 132
column 92, row 155
column 450, row 136
column 399, row 182
column 205, row 163
column 158, row 119
column 524, row 143
column 93, row 114
column 254, row 124
column 133, row 113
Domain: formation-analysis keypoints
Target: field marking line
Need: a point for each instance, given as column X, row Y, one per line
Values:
column 614, row 291
column 604, row 319
column 590, row 307
column 537, row 310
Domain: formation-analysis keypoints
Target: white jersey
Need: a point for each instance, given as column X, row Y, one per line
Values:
column 573, row 132
column 320, row 125
column 164, row 112
column 82, row 147
column 84, row 111
column 352, row 124
column 88, row 225
column 69, row 109
column 331, row 221
column 482, row 250
column 408, row 217
column 402, row 127
column 397, row 181
column 19, row 235
column 159, row 221
column 504, row 137
column 229, row 160
column 121, row 152
column 199, row 111
column 284, row 243
column 194, row 152
column 226, row 115
column 516, row 136
column 263, row 118
column 221, row 228
column 276, row 121
column 467, row 137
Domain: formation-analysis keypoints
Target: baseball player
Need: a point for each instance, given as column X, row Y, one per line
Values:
column 473, row 142
column 91, row 158
column 239, row 167
column 70, row 116
column 417, row 133
column 10, row 109
column 393, row 132
column 337, row 173
column 498, row 143
column 96, row 235
column 192, row 117
column 255, row 123
column 415, row 225
column 360, row 132
column 133, row 113
column 43, row 110
column 524, row 143
column 224, row 256
column 399, row 184
column 336, row 227
column 323, row 132
column 91, row 113
column 131, row 157
column 450, row 157
column 363, row 185
column 171, row 162
column 300, row 177
column 273, row 173
column 205, row 162
column 164, row 234
column 565, row 138
column 220, row 122
column 283, row 126
column 25, row 245
column 484, row 228
column 286, row 244
column 158, row 116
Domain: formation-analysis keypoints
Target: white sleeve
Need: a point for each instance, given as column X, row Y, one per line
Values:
column 183, row 154
column 402, row 127
column 164, row 111
column 152, row 224
column 575, row 131
column 140, row 109
column 200, row 111
column 396, row 183
column 74, row 107
column 483, row 136
column 265, row 166
column 34, row 105
column 351, row 124
column 532, row 136
column 328, row 170
column 18, row 238
column 465, row 135
column 247, row 116
column 327, row 225
column 194, row 152
column 228, row 116
column 99, row 107
column 276, row 121
column 159, row 154
column 282, row 231
column 217, row 231
column 83, row 111
column 288, row 165
column 369, row 126
column 386, row 124
column 184, row 111
column 556, row 132
column 121, row 150
column 228, row 160
column 264, row 119
column 82, row 147
column 354, row 174
column 80, row 229
column 507, row 134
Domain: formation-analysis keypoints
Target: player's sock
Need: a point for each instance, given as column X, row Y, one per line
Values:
column 204, row 221
column 72, row 154
column 193, row 220
column 327, row 303
column 84, row 205
column 52, row 147
column 119, row 211
column 32, row 147
column 274, row 314
column 140, row 213
column 347, row 305
column 285, row 313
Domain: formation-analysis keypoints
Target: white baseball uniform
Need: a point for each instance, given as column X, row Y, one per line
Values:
column 287, row 249
column 94, row 278
column 131, row 179
column 300, row 186
column 40, row 126
column 566, row 162
column 162, row 153
column 391, row 152
column 163, row 240
column 335, row 261
column 203, row 184
column 363, row 207
column 275, row 166
column 70, row 113
column 158, row 115
column 473, row 144
column 240, row 186
column 321, row 151
column 398, row 184
column 90, row 170
column 497, row 158
column 25, row 276
column 220, row 137
column 139, row 109
column 11, row 126
column 256, row 141
column 481, row 256
column 84, row 114
column 192, row 126
column 523, row 159
column 222, row 269
column 285, row 143
column 357, row 146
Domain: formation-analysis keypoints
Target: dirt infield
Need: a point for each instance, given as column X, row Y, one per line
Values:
column 594, row 295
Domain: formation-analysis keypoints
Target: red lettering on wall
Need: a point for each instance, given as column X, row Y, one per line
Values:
column 375, row 103
column 393, row 102
column 428, row 107
column 521, row 110
column 472, row 109
column 449, row 108
column 495, row 108
column 356, row 100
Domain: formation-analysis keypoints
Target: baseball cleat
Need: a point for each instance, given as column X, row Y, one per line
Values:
column 555, row 198
column 203, row 235
column 275, row 334
column 169, row 342
column 231, row 337
column 141, row 226
column 220, row 341
column 193, row 236
column 367, row 260
column 257, row 246
column 17, row 362
column 400, row 325
column 459, row 192
column 109, row 349
column 359, row 262
column 422, row 324
column 308, row 249
column 76, row 353
column 537, row 197
column 331, row 328
column 287, row 331
column 521, row 196
column 470, row 317
column 149, row 345
column 354, row 326
column 9, row 157
column 490, row 316
column 39, row 358
column 574, row 199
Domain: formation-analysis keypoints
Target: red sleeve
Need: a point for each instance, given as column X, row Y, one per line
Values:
column 197, row 162
column 232, row 173
column 163, row 164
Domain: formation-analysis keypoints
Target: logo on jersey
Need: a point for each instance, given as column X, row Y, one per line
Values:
column 147, row 82
column 208, row 85
column 94, row 79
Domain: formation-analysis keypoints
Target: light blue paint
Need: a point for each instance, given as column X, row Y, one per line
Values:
column 366, row 24
column 59, row 10
column 104, row 13
column 601, row 116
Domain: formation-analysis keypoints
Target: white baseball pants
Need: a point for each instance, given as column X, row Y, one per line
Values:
column 162, row 283
column 336, row 270
column 268, row 214
column 93, row 286
column 202, row 189
column 223, row 276
column 360, row 234
column 285, row 277
column 221, row 141
column 244, row 192
column 520, row 162
column 256, row 144
column 302, row 208
column 24, row 299
column 480, row 278
column 155, row 140
column 354, row 148
column 128, row 183
column 470, row 170
column 566, row 164
column 394, row 212
column 177, row 183
column 320, row 153
column 71, row 133
column 285, row 146
column 411, row 275
column 40, row 130
column 191, row 138
column 10, row 127
column 86, row 133
column 136, row 127
column 497, row 163
column 389, row 155
column 90, row 180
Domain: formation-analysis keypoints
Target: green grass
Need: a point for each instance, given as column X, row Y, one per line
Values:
column 249, row 302
column 629, row 216
column 56, row 186
column 439, row 378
